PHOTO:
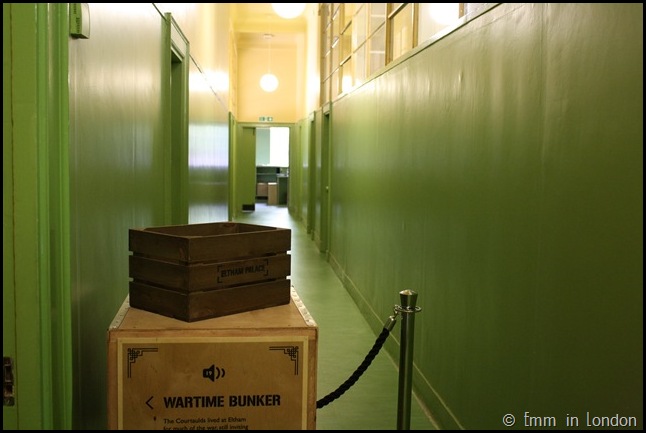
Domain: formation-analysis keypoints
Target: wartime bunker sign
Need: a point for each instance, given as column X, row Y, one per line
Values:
column 212, row 383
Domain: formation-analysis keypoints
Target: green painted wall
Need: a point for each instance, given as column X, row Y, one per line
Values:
column 36, row 308
column 81, row 175
column 498, row 172
column 300, row 131
column 308, row 175
column 117, row 169
column 208, row 153
column 315, row 202
column 119, row 150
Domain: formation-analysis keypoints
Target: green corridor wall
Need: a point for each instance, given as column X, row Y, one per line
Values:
column 498, row 172
column 124, row 170
column 89, row 152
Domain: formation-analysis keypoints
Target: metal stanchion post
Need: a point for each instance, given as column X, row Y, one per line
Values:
column 408, row 310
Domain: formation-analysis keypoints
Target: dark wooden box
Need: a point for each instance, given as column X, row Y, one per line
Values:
column 200, row 271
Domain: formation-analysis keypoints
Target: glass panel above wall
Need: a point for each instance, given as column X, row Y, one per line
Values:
column 358, row 40
column 347, row 80
column 335, row 84
column 436, row 17
column 325, row 91
column 346, row 42
column 359, row 64
column 336, row 25
column 402, row 31
column 377, row 16
column 377, row 48
column 348, row 12
column 359, row 27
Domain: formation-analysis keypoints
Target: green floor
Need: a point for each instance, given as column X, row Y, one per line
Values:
column 344, row 339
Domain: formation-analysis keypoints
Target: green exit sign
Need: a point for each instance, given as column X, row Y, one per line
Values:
column 266, row 119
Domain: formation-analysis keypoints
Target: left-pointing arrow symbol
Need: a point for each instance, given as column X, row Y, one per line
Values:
column 148, row 402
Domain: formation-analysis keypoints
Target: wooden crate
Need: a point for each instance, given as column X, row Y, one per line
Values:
column 200, row 271
column 249, row 371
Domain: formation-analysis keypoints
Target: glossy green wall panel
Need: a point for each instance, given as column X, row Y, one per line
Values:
column 208, row 147
column 116, row 176
column 294, row 199
column 484, row 167
column 592, row 231
column 55, row 293
column 9, row 413
column 35, row 286
column 118, row 150
column 20, row 218
column 499, row 177
column 305, row 185
column 315, row 175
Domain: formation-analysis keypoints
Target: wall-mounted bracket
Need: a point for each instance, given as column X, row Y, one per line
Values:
column 7, row 373
column 80, row 20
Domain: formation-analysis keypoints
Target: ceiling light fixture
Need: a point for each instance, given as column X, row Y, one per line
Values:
column 268, row 82
column 288, row 10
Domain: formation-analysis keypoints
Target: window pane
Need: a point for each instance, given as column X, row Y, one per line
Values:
column 336, row 24
column 325, row 91
column 348, row 12
column 359, row 58
column 435, row 17
column 346, row 43
column 377, row 44
column 359, row 27
column 402, row 32
column 335, row 85
column 336, row 54
column 347, row 79
column 377, row 16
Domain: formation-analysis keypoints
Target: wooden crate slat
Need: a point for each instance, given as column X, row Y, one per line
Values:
column 205, row 276
column 208, row 304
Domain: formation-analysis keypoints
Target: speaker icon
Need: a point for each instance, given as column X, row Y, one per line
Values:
column 213, row 373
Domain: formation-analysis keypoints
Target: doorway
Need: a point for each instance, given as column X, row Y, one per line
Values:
column 272, row 165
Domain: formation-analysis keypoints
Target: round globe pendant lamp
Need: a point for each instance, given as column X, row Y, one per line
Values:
column 288, row 10
column 268, row 82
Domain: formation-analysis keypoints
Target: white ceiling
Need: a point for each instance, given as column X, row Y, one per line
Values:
column 251, row 21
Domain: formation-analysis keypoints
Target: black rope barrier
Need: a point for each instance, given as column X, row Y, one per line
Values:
column 357, row 373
